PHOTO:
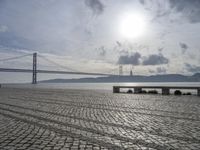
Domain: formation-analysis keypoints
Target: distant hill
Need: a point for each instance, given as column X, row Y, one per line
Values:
column 196, row 75
column 138, row 78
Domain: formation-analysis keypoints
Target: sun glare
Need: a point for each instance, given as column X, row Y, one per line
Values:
column 132, row 25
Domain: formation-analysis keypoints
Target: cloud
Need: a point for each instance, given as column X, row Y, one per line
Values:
column 161, row 70
column 3, row 28
column 8, row 39
column 158, row 70
column 184, row 47
column 188, row 8
column 192, row 68
column 133, row 59
column 95, row 5
column 157, row 8
column 155, row 59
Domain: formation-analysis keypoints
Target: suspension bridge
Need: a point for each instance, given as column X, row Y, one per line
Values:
column 35, row 71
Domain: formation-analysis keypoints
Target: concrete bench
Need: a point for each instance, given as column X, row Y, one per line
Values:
column 165, row 89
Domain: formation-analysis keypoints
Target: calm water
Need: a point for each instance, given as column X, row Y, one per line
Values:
column 98, row 86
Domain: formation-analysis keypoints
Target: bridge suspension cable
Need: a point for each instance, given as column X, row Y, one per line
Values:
column 53, row 62
column 17, row 57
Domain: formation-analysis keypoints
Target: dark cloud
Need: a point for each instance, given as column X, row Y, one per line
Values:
column 192, row 68
column 189, row 9
column 102, row 51
column 95, row 5
column 133, row 59
column 151, row 71
column 184, row 47
column 142, row 2
column 118, row 43
column 160, row 49
column 155, row 59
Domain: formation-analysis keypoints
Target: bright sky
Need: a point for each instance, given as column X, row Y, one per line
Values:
column 150, row 36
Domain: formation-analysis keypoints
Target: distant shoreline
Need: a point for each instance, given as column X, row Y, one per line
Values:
column 116, row 79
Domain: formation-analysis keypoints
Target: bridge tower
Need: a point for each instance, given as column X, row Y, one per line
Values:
column 120, row 70
column 34, row 78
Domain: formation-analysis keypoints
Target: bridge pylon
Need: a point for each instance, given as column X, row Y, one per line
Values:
column 34, row 78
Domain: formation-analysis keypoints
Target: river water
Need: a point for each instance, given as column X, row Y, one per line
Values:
column 101, row 86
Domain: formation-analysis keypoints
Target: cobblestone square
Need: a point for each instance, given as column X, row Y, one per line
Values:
column 34, row 119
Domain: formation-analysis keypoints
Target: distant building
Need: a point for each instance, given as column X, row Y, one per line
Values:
column 131, row 73
column 120, row 70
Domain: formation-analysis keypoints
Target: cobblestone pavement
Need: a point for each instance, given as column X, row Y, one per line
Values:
column 83, row 119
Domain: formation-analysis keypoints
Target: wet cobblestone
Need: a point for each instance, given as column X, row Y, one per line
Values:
column 81, row 119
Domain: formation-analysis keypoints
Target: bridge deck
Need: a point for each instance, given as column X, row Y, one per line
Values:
column 53, row 72
column 160, row 87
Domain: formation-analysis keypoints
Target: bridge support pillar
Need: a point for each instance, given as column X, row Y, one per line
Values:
column 116, row 90
column 34, row 78
column 198, row 91
column 165, row 91
column 137, row 90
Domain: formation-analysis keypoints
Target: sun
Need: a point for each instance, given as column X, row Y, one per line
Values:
column 132, row 25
